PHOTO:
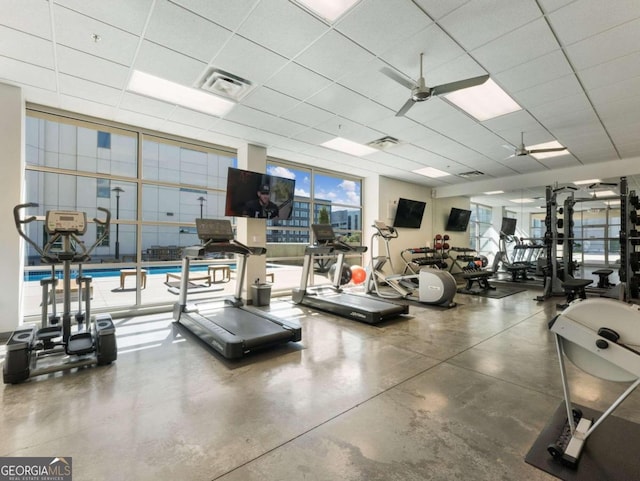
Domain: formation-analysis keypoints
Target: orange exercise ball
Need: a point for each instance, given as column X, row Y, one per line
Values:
column 358, row 274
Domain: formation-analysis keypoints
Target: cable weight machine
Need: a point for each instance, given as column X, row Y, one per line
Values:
column 629, row 271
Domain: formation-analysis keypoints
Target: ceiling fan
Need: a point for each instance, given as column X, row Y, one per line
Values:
column 521, row 150
column 420, row 92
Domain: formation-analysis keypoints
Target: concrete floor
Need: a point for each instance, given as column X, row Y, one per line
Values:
column 444, row 394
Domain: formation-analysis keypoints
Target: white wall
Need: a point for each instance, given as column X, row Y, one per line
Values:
column 381, row 198
column 11, row 186
column 441, row 212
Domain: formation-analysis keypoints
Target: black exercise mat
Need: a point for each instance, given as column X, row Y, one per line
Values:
column 498, row 293
column 610, row 453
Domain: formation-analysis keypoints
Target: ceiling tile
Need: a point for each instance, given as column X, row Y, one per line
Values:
column 75, row 31
column 378, row 24
column 30, row 17
column 84, row 89
column 538, row 71
column 124, row 14
column 437, row 9
column 260, row 120
column 180, row 30
column 146, row 105
column 92, row 68
column 341, row 127
column 306, row 114
column 403, row 128
column 269, row 100
column 333, row 56
column 370, row 82
column 438, row 49
column 248, row 60
column 223, row 12
column 297, row 81
column 551, row 5
column 168, row 64
column 584, row 18
column 282, row 26
column 602, row 96
column 555, row 89
column 615, row 71
column 94, row 109
column 517, row 47
column 312, row 137
column 614, row 43
column 26, row 48
column 490, row 20
column 190, row 117
column 558, row 107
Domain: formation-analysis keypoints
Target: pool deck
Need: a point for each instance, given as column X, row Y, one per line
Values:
column 107, row 293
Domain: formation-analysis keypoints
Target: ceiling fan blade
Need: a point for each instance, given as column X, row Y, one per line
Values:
column 540, row 151
column 393, row 75
column 405, row 108
column 459, row 85
column 508, row 147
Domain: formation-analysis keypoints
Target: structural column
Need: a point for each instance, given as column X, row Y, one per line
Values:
column 12, row 140
column 253, row 232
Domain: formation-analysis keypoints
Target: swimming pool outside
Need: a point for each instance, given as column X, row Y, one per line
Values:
column 115, row 271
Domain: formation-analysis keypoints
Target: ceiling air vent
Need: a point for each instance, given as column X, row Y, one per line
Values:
column 223, row 83
column 472, row 173
column 384, row 143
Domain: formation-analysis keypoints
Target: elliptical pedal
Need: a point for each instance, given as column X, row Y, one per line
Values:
column 80, row 344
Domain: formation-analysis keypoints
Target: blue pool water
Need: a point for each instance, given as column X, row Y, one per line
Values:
column 114, row 272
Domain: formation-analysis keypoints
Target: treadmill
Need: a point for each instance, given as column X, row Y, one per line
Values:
column 232, row 329
column 332, row 298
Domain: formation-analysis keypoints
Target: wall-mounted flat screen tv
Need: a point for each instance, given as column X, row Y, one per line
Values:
column 458, row 220
column 261, row 196
column 409, row 213
column 508, row 226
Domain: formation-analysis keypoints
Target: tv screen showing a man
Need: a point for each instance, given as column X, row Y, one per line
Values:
column 261, row 207
column 259, row 196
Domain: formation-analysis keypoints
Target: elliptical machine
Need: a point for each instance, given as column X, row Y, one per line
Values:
column 434, row 286
column 32, row 351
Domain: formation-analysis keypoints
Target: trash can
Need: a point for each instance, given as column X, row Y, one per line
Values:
column 261, row 294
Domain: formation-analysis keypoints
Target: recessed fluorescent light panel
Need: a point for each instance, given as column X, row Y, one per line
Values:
column 588, row 181
column 612, row 202
column 431, row 172
column 484, row 101
column 554, row 144
column 494, row 192
column 524, row 200
column 348, row 146
column 330, row 10
column 174, row 93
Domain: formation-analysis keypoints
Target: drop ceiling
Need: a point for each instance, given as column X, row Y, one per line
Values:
column 573, row 66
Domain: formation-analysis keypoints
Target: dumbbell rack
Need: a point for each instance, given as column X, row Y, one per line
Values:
column 416, row 258
column 629, row 241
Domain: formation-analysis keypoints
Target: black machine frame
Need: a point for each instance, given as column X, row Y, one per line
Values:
column 233, row 329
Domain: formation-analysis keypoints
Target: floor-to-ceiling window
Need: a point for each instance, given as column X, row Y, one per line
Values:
column 154, row 188
column 320, row 198
column 480, row 230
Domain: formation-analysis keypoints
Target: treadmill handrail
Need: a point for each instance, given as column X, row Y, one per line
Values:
column 234, row 247
column 319, row 249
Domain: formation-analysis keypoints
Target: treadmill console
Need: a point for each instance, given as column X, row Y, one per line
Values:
column 216, row 230
column 323, row 233
column 62, row 222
